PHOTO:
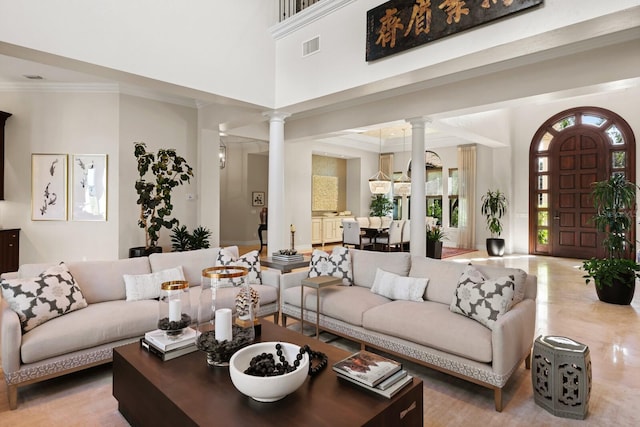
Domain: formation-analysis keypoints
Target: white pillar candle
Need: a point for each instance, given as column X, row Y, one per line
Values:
column 223, row 325
column 175, row 310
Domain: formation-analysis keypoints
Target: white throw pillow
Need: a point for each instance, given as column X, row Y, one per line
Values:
column 484, row 300
column 395, row 287
column 336, row 264
column 147, row 286
column 42, row 298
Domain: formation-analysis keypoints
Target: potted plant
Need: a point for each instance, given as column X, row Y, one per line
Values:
column 182, row 240
column 434, row 241
column 494, row 207
column 158, row 174
column 614, row 276
column 380, row 205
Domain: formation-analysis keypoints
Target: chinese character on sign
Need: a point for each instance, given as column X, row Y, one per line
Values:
column 390, row 25
column 454, row 9
column 487, row 3
column 420, row 18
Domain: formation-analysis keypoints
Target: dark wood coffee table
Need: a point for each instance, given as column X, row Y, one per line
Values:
column 186, row 392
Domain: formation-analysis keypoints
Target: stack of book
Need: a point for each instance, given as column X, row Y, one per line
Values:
column 157, row 343
column 277, row 256
column 373, row 372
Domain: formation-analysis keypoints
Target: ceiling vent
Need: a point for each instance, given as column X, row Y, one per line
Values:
column 33, row 77
column 311, row 46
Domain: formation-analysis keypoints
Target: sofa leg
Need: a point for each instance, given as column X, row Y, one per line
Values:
column 497, row 396
column 284, row 320
column 276, row 317
column 527, row 361
column 12, row 392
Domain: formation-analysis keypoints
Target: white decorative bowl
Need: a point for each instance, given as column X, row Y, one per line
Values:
column 267, row 389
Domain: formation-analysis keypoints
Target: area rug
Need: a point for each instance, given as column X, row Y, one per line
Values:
column 449, row 252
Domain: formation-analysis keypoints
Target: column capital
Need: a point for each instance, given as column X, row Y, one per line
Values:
column 276, row 116
column 418, row 121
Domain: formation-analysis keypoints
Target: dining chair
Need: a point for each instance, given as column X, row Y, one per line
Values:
column 392, row 237
column 375, row 222
column 353, row 235
column 406, row 235
column 363, row 221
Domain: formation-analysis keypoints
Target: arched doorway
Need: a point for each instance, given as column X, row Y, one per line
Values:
column 569, row 152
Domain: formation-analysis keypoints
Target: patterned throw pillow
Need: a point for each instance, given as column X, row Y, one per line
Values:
column 481, row 299
column 396, row 287
column 147, row 286
column 42, row 298
column 336, row 264
column 250, row 260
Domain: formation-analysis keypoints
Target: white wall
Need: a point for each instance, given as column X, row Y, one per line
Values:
column 219, row 47
column 90, row 123
column 68, row 123
column 159, row 125
column 340, row 64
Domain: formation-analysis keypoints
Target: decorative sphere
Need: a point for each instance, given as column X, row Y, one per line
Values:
column 267, row 389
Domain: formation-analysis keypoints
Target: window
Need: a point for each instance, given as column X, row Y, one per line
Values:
column 453, row 198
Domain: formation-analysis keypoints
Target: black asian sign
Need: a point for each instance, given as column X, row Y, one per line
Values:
column 399, row 25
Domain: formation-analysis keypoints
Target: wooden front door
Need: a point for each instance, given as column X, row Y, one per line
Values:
column 578, row 159
column 569, row 152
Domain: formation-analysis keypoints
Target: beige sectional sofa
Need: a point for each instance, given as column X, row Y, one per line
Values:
column 85, row 337
column 426, row 332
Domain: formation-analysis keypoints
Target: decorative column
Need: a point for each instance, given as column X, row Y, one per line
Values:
column 277, row 232
column 418, row 187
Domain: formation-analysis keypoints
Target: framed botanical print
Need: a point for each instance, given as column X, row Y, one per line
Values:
column 89, row 187
column 257, row 198
column 48, row 187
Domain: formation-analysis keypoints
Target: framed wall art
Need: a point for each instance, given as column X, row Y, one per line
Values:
column 257, row 198
column 48, row 187
column 89, row 187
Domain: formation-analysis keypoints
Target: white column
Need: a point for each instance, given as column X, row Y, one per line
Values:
column 208, row 179
column 278, row 232
column 418, row 187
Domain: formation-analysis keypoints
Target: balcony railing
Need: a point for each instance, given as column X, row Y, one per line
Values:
column 288, row 8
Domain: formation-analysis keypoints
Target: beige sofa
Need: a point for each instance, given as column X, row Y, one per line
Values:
column 86, row 337
column 425, row 332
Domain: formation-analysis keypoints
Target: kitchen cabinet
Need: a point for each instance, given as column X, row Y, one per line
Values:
column 326, row 229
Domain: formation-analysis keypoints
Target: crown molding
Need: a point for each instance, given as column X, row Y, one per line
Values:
column 45, row 87
column 59, row 87
column 307, row 16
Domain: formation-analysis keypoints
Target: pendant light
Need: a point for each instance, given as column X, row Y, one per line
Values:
column 380, row 182
column 402, row 185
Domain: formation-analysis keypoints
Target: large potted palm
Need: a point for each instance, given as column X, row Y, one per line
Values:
column 494, row 207
column 158, row 174
column 614, row 276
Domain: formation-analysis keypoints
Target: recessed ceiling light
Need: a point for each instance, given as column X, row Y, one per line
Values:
column 33, row 77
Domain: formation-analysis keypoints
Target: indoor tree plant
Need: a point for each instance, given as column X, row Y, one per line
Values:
column 494, row 207
column 380, row 205
column 614, row 276
column 158, row 174
column 434, row 241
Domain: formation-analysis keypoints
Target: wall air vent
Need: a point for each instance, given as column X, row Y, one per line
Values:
column 33, row 77
column 311, row 46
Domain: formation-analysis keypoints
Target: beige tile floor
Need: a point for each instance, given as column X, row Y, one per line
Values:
column 566, row 307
